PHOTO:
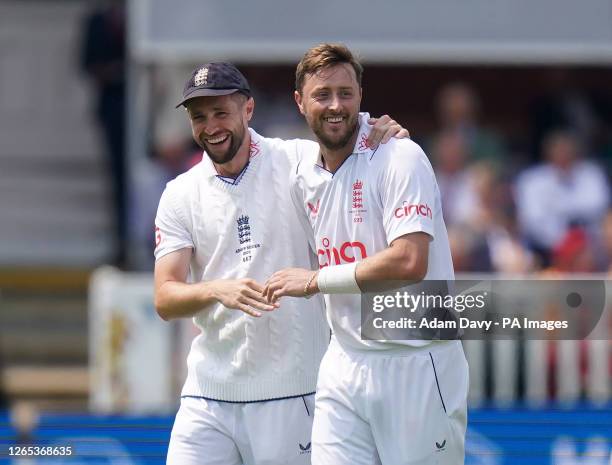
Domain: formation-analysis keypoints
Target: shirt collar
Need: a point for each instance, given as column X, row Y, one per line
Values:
column 208, row 168
column 363, row 132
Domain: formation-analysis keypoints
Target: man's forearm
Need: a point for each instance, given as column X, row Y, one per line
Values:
column 174, row 299
column 391, row 264
column 406, row 259
column 388, row 268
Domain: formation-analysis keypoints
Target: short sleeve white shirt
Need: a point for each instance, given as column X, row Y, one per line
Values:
column 373, row 198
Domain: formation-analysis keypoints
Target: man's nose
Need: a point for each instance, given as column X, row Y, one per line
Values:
column 334, row 103
column 210, row 129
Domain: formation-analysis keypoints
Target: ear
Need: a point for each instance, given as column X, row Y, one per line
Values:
column 249, row 108
column 298, row 100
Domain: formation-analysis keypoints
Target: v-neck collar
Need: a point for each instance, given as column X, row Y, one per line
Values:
column 361, row 145
column 209, row 170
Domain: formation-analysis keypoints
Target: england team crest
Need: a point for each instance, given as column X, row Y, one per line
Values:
column 357, row 202
column 246, row 247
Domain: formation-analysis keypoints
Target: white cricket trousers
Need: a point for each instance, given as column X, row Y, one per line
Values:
column 208, row 432
column 408, row 407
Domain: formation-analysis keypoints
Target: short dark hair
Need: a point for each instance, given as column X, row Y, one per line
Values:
column 324, row 56
column 240, row 97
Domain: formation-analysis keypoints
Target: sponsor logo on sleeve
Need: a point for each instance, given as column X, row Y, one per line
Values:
column 413, row 209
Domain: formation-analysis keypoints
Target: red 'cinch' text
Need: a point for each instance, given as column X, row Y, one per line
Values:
column 419, row 210
column 348, row 252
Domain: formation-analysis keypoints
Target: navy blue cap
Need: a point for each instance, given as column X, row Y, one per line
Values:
column 214, row 79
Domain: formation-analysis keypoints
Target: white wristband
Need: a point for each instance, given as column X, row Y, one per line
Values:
column 338, row 279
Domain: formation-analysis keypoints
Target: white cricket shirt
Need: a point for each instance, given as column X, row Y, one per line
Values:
column 245, row 228
column 373, row 198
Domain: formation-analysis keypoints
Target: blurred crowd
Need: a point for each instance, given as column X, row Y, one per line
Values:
column 544, row 207
column 548, row 211
column 507, row 215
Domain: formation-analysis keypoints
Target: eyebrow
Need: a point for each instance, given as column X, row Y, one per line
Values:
column 195, row 112
column 329, row 87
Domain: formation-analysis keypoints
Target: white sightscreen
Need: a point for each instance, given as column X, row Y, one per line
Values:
column 399, row 31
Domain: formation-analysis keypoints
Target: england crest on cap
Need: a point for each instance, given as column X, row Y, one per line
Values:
column 201, row 77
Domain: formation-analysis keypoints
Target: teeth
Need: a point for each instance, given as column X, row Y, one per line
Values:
column 217, row 140
column 334, row 119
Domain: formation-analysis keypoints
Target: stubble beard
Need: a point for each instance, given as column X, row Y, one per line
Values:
column 338, row 142
column 230, row 153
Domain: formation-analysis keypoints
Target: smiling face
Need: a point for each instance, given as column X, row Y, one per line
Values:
column 330, row 100
column 219, row 124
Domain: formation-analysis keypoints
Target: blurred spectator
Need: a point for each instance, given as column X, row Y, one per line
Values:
column 493, row 218
column 483, row 236
column 173, row 154
column 606, row 232
column 565, row 106
column 458, row 107
column 475, row 203
column 103, row 59
column 449, row 157
column 460, row 204
column 574, row 253
column 562, row 192
column 469, row 250
column 469, row 216
column 508, row 255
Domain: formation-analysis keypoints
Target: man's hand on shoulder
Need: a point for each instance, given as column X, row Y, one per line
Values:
column 383, row 129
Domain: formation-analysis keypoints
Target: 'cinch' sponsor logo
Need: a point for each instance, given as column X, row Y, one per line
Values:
column 413, row 209
column 347, row 252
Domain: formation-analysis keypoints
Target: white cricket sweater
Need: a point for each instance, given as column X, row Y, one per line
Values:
column 245, row 229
